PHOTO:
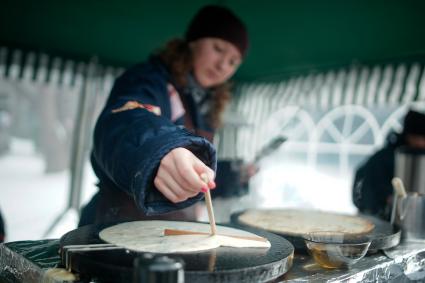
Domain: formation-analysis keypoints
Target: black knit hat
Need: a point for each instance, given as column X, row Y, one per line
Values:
column 219, row 22
column 414, row 123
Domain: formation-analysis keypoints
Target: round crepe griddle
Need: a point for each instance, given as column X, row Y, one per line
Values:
column 223, row 264
column 383, row 236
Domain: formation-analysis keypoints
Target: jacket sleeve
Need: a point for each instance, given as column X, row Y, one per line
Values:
column 129, row 145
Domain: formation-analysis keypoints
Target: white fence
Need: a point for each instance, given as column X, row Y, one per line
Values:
column 39, row 100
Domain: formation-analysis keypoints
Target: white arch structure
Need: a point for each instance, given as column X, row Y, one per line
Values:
column 346, row 138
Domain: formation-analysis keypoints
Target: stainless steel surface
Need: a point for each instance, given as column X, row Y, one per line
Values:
column 403, row 262
column 407, row 260
column 410, row 215
column 410, row 168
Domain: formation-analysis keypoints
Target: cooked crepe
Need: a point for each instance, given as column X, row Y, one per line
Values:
column 300, row 222
column 148, row 236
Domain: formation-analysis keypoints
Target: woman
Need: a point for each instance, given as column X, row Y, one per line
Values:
column 152, row 140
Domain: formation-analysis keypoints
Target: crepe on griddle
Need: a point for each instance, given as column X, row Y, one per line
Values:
column 300, row 222
column 148, row 236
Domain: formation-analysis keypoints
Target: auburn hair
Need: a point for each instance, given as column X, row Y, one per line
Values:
column 177, row 56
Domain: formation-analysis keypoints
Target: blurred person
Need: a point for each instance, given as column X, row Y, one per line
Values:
column 233, row 178
column 153, row 138
column 372, row 188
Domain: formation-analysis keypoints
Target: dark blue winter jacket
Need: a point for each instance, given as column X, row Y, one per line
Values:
column 372, row 182
column 129, row 143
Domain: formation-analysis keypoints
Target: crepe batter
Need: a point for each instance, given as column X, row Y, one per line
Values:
column 299, row 222
column 148, row 236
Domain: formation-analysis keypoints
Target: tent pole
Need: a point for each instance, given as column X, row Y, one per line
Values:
column 80, row 142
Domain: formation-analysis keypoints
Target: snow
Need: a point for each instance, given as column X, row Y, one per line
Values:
column 31, row 200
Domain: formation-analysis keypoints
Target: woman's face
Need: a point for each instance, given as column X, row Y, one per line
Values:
column 214, row 60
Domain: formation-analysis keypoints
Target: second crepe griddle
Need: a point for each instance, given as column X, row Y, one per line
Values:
column 383, row 236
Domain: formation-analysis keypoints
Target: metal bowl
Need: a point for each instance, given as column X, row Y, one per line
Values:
column 336, row 250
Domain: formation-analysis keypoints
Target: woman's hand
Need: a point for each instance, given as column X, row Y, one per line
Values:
column 178, row 176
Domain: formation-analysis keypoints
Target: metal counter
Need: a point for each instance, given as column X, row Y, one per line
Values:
column 32, row 261
column 404, row 263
